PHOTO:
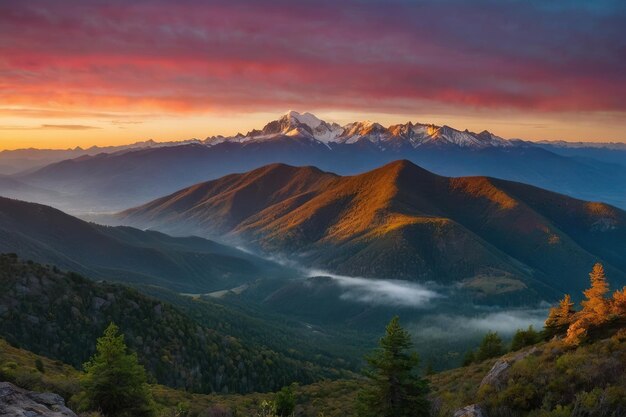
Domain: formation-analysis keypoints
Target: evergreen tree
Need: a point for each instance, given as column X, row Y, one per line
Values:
column 560, row 316
column 577, row 331
column 395, row 388
column 596, row 307
column 490, row 347
column 618, row 304
column 523, row 338
column 115, row 383
column 285, row 402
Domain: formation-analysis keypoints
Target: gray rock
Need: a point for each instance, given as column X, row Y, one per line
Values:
column 473, row 410
column 496, row 377
column 497, row 374
column 17, row 402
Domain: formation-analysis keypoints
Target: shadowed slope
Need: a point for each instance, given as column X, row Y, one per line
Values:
column 183, row 264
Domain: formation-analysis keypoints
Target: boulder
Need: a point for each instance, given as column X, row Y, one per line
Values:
column 497, row 374
column 496, row 377
column 17, row 402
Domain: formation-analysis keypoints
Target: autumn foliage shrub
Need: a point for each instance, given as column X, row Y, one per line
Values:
column 596, row 310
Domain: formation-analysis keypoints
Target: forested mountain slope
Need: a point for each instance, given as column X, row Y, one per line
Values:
column 60, row 315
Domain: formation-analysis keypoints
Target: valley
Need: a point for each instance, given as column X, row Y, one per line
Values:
column 580, row 378
column 233, row 290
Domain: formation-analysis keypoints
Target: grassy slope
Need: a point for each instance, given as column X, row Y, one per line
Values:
column 334, row 398
column 579, row 380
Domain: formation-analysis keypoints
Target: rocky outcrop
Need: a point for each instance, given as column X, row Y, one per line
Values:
column 473, row 410
column 497, row 374
column 17, row 402
column 496, row 377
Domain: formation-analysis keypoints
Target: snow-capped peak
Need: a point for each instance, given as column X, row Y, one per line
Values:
column 293, row 123
column 305, row 118
column 308, row 126
column 362, row 128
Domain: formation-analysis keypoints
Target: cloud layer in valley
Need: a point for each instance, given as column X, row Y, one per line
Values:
column 382, row 292
column 479, row 322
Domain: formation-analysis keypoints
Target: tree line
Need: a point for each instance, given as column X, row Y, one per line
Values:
column 116, row 385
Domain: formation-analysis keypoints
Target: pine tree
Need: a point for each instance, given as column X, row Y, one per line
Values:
column 566, row 311
column 577, row 332
column 618, row 304
column 560, row 316
column 395, row 388
column 115, row 383
column 523, row 338
column 490, row 347
column 596, row 308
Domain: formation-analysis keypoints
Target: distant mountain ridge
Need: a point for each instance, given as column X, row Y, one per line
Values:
column 411, row 134
column 401, row 221
column 106, row 182
column 607, row 152
column 20, row 161
column 582, row 144
column 192, row 265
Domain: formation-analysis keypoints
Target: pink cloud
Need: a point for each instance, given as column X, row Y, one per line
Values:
column 197, row 56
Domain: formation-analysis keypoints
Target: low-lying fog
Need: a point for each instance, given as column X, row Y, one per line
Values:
column 474, row 319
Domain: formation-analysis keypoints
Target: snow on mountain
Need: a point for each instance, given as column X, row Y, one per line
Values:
column 295, row 124
column 307, row 125
column 465, row 139
column 306, row 119
column 371, row 131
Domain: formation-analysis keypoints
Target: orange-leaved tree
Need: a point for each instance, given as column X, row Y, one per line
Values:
column 560, row 316
column 577, row 331
column 618, row 304
column 596, row 307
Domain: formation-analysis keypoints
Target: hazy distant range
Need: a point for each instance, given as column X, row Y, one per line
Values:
column 114, row 178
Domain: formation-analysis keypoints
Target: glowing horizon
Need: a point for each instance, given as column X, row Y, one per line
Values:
column 174, row 71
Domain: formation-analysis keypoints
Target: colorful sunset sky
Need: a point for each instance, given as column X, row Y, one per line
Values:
column 111, row 72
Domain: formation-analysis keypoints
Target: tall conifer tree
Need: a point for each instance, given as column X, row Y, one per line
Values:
column 115, row 383
column 596, row 307
column 396, row 388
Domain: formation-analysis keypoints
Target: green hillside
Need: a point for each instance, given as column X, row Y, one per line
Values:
column 60, row 314
column 549, row 379
column 38, row 373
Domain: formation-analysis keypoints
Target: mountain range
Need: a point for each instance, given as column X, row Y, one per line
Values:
column 193, row 265
column 21, row 161
column 400, row 221
column 309, row 126
column 114, row 179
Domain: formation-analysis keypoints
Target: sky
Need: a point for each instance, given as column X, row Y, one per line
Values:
column 81, row 72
